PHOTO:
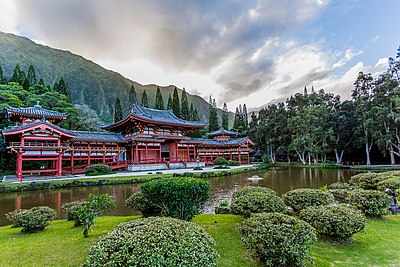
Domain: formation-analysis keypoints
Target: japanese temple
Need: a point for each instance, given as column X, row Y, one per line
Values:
column 146, row 139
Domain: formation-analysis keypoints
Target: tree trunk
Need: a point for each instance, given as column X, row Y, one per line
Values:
column 367, row 153
column 392, row 159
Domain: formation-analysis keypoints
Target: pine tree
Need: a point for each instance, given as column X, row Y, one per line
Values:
column 1, row 76
column 195, row 115
column 55, row 86
column 25, row 85
column 41, row 82
column 245, row 118
column 225, row 118
column 18, row 75
column 191, row 112
column 184, row 106
column 31, row 76
column 117, row 110
column 237, row 120
column 62, row 87
column 176, row 107
column 213, row 118
column 169, row 103
column 132, row 99
column 145, row 101
column 159, row 100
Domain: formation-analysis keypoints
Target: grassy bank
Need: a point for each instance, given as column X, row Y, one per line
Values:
column 7, row 187
column 61, row 244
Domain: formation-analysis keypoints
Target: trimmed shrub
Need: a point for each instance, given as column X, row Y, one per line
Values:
column 372, row 202
column 251, row 189
column 220, row 161
column 368, row 181
column 340, row 185
column 337, row 222
column 32, row 220
column 300, row 199
column 97, row 169
column 155, row 241
column 138, row 201
column 392, row 183
column 257, row 202
column 389, row 173
column 180, row 198
column 233, row 163
column 71, row 210
column 277, row 239
column 340, row 191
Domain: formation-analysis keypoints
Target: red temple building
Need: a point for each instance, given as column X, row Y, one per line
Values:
column 146, row 139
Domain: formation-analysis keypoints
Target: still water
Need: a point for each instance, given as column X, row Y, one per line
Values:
column 279, row 179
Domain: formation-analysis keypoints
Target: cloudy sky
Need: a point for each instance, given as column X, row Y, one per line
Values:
column 238, row 51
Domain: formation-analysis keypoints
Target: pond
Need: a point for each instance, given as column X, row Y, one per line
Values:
column 279, row 179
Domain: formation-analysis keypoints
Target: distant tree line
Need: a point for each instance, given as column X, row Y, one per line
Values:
column 313, row 126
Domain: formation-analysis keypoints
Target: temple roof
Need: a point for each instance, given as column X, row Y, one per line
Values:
column 212, row 142
column 35, row 112
column 161, row 117
column 222, row 131
column 38, row 122
column 98, row 136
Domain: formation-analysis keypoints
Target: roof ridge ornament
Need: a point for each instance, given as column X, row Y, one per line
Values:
column 37, row 104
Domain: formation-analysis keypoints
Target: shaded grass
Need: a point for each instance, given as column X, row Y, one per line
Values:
column 61, row 244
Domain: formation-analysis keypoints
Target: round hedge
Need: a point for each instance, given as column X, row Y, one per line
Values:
column 71, row 208
column 340, row 185
column 392, row 183
column 277, row 239
column 300, row 199
column 251, row 189
column 337, row 222
column 138, row 201
column 155, row 241
column 372, row 202
column 32, row 220
column 368, row 181
column 257, row 202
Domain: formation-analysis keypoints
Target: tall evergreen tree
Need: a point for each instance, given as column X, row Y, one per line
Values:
column 55, row 86
column 18, row 75
column 145, row 101
column 169, row 103
column 176, row 107
column 26, row 84
column 195, row 115
column 184, row 106
column 159, row 100
column 41, row 82
column 31, row 76
column 117, row 110
column 62, row 87
column 1, row 76
column 237, row 120
column 213, row 118
column 225, row 118
column 132, row 99
column 245, row 118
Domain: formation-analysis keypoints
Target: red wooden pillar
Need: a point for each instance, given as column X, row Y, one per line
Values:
column 131, row 153
column 147, row 156
column 136, row 153
column 240, row 155
column 104, row 153
column 188, row 152
column 230, row 153
column 72, row 162
column 248, row 157
column 18, row 171
column 88, row 155
column 160, row 153
column 59, row 164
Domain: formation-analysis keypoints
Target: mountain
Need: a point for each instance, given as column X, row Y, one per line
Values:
column 89, row 83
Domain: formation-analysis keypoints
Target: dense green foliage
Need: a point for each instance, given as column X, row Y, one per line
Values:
column 300, row 199
column 179, row 197
column 175, row 104
column 367, row 180
column 156, row 241
column 225, row 117
column 144, row 101
column 71, row 210
column 338, row 222
column 97, row 169
column 185, row 112
column 252, row 189
column 32, row 220
column 96, row 205
column 220, row 161
column 372, row 202
column 257, row 202
column 159, row 102
column 138, row 201
column 277, row 239
column 213, row 116
column 392, row 183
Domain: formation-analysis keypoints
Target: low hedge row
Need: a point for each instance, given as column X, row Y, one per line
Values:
column 112, row 181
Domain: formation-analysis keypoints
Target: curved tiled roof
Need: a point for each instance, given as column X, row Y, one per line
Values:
column 98, row 136
column 211, row 142
column 222, row 132
column 38, row 122
column 35, row 111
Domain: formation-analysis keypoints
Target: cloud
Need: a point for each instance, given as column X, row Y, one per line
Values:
column 227, row 39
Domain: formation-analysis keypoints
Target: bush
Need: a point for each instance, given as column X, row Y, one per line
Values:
column 368, row 181
column 340, row 185
column 257, row 202
column 32, row 220
column 180, row 198
column 277, row 239
column 155, row 241
column 372, row 202
column 220, row 161
column 71, row 210
column 337, row 222
column 233, row 163
column 300, row 199
column 97, row 169
column 138, row 201
column 96, row 205
column 340, row 190
column 251, row 189
column 392, row 183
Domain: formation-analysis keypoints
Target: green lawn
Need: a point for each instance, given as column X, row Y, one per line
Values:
column 61, row 244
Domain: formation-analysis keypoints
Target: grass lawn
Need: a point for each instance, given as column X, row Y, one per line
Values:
column 61, row 244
